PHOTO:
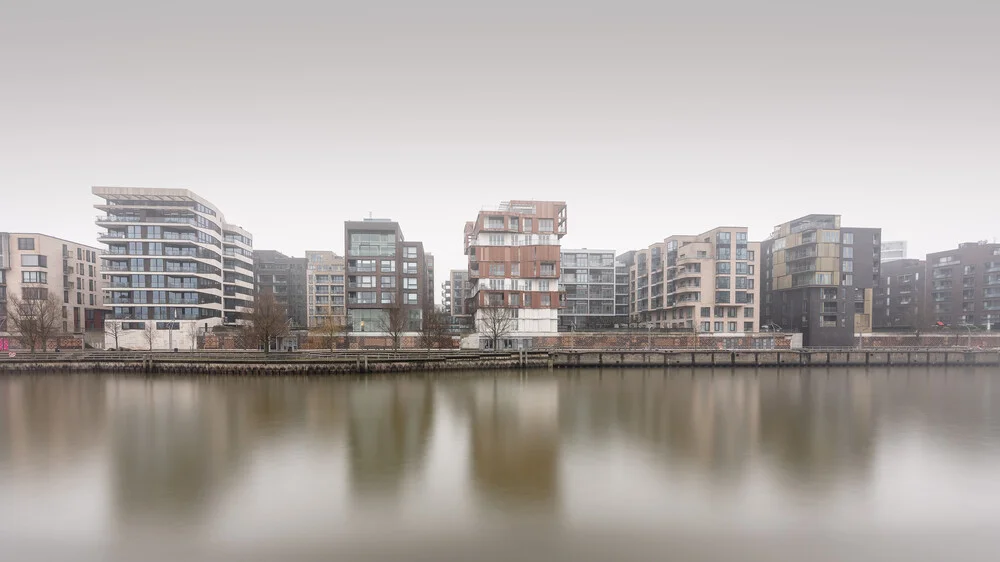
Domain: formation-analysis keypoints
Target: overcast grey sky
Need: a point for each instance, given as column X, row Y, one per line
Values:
column 648, row 118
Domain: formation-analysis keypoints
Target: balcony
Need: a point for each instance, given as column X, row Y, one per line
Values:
column 118, row 218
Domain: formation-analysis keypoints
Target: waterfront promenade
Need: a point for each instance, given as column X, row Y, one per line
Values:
column 382, row 361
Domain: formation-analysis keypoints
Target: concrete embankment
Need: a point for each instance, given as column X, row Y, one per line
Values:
column 352, row 363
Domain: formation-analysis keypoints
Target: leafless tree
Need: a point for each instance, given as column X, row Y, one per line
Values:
column 393, row 324
column 434, row 331
column 329, row 330
column 496, row 322
column 35, row 321
column 149, row 333
column 267, row 322
column 113, row 330
column 191, row 333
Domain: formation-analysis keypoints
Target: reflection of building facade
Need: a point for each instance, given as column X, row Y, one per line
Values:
column 515, row 441
column 325, row 288
column 389, row 427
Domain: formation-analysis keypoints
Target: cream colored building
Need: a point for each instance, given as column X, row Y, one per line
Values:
column 325, row 288
column 35, row 266
column 708, row 282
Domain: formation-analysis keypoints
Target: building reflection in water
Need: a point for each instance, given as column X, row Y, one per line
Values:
column 389, row 428
column 515, row 441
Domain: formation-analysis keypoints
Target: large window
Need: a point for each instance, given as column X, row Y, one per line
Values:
column 410, row 267
column 546, row 225
column 722, row 282
column 410, row 298
column 496, row 270
column 389, row 282
column 34, row 277
column 548, row 269
column 32, row 260
column 410, row 283
column 410, row 252
column 373, row 244
column 724, row 267
column 722, row 296
column 25, row 243
column 385, row 266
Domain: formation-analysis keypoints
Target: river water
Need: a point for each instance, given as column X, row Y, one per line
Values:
column 830, row 464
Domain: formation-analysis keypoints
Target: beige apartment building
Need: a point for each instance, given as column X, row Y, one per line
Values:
column 35, row 266
column 325, row 288
column 707, row 282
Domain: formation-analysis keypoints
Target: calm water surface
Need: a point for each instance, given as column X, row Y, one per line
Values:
column 831, row 464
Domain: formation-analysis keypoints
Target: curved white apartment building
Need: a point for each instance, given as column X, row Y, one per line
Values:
column 175, row 267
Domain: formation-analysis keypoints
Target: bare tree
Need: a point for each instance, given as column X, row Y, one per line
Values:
column 393, row 324
column 496, row 322
column 191, row 333
column 114, row 331
column 434, row 331
column 149, row 333
column 34, row 320
column 329, row 330
column 267, row 322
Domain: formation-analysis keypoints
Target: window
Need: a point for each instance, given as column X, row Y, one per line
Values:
column 723, row 267
column 732, row 326
column 720, row 312
column 31, row 260
column 848, row 238
column 722, row 296
column 494, row 223
column 372, row 244
column 410, row 267
column 515, row 299
column 496, row 270
column 527, row 296
column 34, row 277
column 410, row 252
column 848, row 279
column 543, row 286
column 410, row 298
column 723, row 237
column 496, row 240
column 705, row 327
column 388, row 298
column 741, row 237
column 34, row 293
column 723, row 253
column 718, row 326
column 748, row 326
column 742, row 253
column 741, row 268
column 514, row 224
column 546, row 300
column 546, row 225
column 389, row 282
column 831, row 236
column 748, row 312
column 527, row 225
column 154, row 232
column 722, row 282
column 409, row 282
column 741, row 282
column 154, row 249
column 548, row 269
column 847, row 266
column 515, row 269
column 847, row 252
column 706, row 312
column 25, row 243
column 731, row 312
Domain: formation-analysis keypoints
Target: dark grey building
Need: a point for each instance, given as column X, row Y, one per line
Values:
column 285, row 277
column 899, row 298
column 819, row 280
column 963, row 286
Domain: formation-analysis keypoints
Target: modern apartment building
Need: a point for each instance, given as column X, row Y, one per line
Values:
column 384, row 272
column 893, row 250
column 174, row 264
column 706, row 282
column 588, row 280
column 963, row 286
column 819, row 279
column 456, row 292
column 900, row 295
column 623, row 299
column 284, row 277
column 514, row 264
column 35, row 266
column 325, row 292
column 429, row 280
column 712, row 282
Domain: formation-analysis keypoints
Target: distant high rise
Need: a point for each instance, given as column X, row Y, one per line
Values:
column 963, row 286
column 285, row 278
column 326, row 295
column 899, row 298
column 895, row 250
column 819, row 279
column 174, row 263
column 514, row 264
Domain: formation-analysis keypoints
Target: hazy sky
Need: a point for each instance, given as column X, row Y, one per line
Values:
column 648, row 118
